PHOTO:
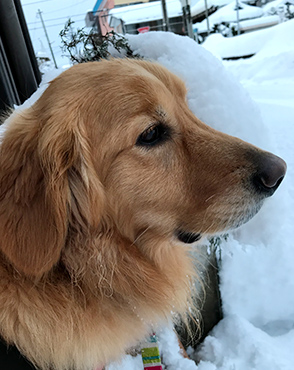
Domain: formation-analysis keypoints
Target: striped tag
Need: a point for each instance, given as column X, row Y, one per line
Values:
column 150, row 354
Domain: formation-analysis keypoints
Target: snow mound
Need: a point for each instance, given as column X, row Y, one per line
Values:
column 273, row 49
column 228, row 14
column 214, row 95
column 237, row 344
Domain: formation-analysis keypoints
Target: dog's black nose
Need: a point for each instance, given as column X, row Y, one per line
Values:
column 270, row 173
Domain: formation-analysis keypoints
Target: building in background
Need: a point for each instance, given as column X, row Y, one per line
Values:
column 98, row 17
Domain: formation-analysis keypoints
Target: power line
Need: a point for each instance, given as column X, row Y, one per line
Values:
column 67, row 7
column 36, row 2
column 148, row 5
column 56, row 19
column 53, row 25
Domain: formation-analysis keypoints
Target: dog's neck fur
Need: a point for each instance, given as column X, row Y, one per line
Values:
column 68, row 330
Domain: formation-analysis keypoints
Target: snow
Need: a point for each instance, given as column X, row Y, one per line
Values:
column 252, row 99
column 198, row 6
column 277, row 6
column 263, row 42
column 228, row 13
column 272, row 58
column 152, row 11
column 146, row 12
column 206, row 80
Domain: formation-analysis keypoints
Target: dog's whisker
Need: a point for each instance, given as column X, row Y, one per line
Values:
column 209, row 198
column 141, row 234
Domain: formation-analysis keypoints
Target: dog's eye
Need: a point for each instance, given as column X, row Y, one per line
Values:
column 153, row 135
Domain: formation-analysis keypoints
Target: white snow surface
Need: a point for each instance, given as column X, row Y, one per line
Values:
column 146, row 11
column 257, row 273
column 270, row 46
column 228, row 14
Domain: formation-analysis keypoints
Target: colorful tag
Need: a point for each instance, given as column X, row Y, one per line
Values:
column 150, row 354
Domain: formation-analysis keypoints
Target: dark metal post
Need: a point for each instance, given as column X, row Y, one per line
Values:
column 207, row 19
column 238, row 16
column 28, row 41
column 165, row 16
column 8, row 91
column 187, row 19
column 16, row 50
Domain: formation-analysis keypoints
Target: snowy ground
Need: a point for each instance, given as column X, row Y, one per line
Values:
column 257, row 275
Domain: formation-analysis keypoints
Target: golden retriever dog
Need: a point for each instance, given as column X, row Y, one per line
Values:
column 105, row 182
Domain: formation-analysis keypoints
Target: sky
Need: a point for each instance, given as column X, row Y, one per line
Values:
column 55, row 13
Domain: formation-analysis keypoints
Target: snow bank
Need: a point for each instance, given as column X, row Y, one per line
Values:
column 273, row 48
column 237, row 344
column 228, row 13
column 257, row 284
column 213, row 94
column 238, row 46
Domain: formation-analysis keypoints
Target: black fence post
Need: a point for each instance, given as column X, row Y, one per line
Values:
column 15, row 48
column 28, row 41
column 8, row 91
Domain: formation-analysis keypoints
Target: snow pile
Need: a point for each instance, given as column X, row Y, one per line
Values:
column 257, row 282
column 213, row 94
column 238, row 46
column 273, row 47
column 239, row 345
column 228, row 13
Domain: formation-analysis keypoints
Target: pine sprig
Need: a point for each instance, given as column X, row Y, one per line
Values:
column 83, row 46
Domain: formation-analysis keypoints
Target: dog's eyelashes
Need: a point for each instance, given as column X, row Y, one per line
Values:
column 153, row 135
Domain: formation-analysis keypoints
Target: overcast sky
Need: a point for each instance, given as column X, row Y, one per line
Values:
column 55, row 13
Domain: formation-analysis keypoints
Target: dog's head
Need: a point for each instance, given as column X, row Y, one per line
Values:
column 113, row 146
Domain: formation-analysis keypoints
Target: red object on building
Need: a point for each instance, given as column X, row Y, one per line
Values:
column 143, row 29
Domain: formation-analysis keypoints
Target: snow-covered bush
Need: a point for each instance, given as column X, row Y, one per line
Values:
column 87, row 46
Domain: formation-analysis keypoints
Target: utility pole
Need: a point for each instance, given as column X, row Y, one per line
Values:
column 238, row 18
column 207, row 19
column 47, row 37
column 187, row 18
column 165, row 17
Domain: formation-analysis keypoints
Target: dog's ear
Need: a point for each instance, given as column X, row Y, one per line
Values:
column 49, row 190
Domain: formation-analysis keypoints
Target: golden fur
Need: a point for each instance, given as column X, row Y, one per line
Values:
column 88, row 217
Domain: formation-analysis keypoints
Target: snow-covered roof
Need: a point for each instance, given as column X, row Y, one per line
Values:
column 242, row 45
column 152, row 11
column 228, row 13
column 262, row 22
column 198, row 7
column 146, row 12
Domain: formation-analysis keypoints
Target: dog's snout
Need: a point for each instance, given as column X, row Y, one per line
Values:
column 270, row 173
